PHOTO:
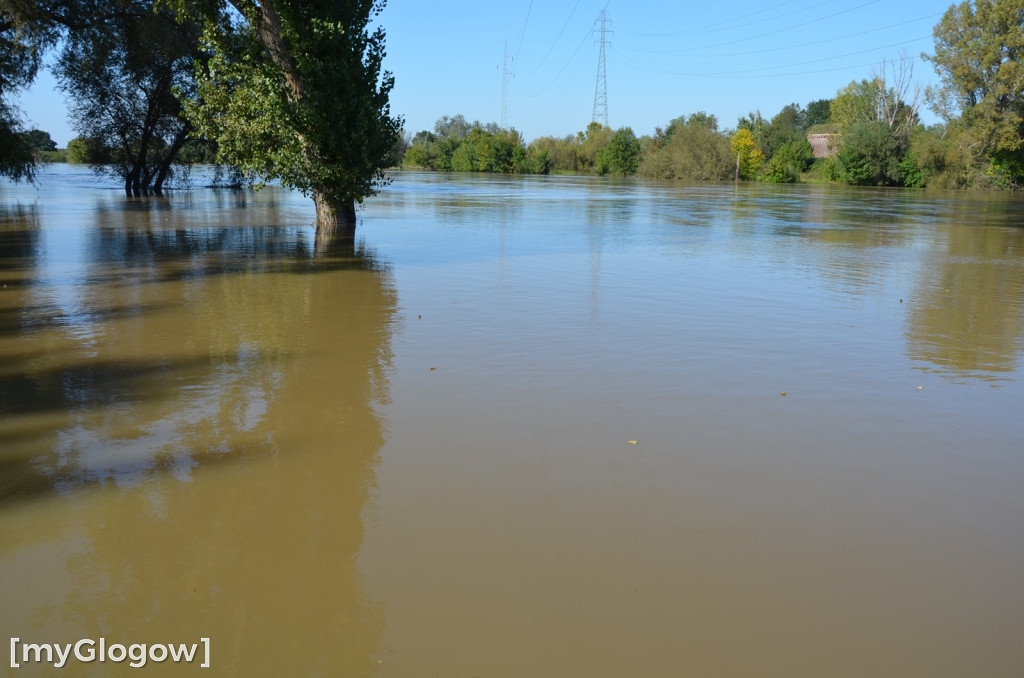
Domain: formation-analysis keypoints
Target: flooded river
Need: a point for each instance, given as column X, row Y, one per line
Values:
column 543, row 426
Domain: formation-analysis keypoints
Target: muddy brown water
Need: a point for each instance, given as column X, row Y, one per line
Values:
column 519, row 427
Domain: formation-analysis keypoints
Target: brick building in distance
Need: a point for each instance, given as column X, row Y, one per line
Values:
column 824, row 140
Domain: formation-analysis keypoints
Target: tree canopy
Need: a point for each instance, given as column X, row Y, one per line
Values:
column 296, row 91
column 691, row 149
column 979, row 47
column 20, row 52
column 621, row 157
column 123, row 64
column 125, row 75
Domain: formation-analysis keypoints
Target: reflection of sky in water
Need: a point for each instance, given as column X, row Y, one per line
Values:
column 86, row 452
column 60, row 285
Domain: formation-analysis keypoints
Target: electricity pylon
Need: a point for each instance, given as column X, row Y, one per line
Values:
column 506, row 73
column 601, row 88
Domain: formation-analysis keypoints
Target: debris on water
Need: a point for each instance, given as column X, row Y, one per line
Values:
column 432, row 369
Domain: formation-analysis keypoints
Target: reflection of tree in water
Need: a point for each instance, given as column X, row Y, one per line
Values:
column 253, row 372
column 967, row 315
column 849, row 231
column 19, row 240
column 19, row 249
column 148, row 236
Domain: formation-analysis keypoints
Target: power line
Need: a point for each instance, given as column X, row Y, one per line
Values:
column 566, row 107
column 783, row 48
column 555, row 43
column 522, row 35
column 566, row 65
column 754, row 72
column 730, row 22
column 776, row 31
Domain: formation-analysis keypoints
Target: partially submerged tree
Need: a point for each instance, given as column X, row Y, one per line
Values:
column 749, row 158
column 979, row 50
column 691, row 149
column 296, row 91
column 124, row 75
column 870, row 155
column 875, row 120
column 596, row 137
column 122, row 64
column 621, row 157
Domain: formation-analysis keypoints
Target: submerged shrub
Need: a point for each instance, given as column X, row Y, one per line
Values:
column 694, row 151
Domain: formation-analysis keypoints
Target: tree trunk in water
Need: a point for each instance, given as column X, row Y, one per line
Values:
column 131, row 181
column 172, row 154
column 332, row 248
column 333, row 218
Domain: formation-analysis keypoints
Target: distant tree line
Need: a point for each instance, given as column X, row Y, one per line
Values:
column 690, row 147
column 459, row 146
column 872, row 126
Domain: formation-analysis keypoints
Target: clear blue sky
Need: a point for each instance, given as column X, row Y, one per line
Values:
column 664, row 59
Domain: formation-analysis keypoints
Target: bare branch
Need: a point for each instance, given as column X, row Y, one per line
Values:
column 898, row 100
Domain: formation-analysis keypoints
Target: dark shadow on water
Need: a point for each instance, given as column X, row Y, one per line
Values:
column 36, row 404
column 40, row 316
column 88, row 384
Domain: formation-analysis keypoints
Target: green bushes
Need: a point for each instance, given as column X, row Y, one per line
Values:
column 691, row 150
column 460, row 147
column 621, row 156
column 870, row 156
column 788, row 162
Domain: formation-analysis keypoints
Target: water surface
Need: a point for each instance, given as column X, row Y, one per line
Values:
column 542, row 426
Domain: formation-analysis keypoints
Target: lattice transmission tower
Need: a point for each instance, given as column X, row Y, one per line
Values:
column 506, row 73
column 601, row 88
